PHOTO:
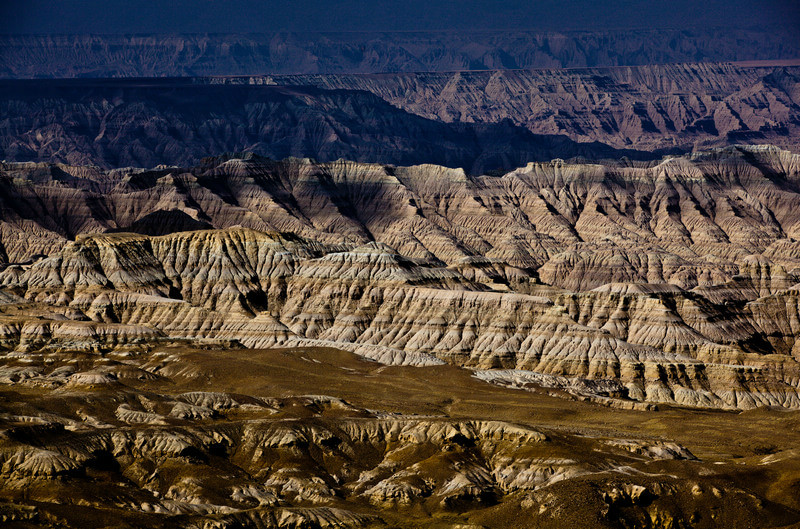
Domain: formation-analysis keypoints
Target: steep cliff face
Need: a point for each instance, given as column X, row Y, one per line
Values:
column 670, row 282
column 644, row 107
column 53, row 56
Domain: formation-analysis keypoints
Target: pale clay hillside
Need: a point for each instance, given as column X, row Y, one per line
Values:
column 630, row 284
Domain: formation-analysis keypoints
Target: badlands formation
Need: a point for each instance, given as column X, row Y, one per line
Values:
column 116, row 123
column 672, row 282
column 195, row 55
column 259, row 343
column 486, row 122
column 652, row 107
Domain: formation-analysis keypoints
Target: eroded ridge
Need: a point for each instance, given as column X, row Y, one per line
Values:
column 673, row 282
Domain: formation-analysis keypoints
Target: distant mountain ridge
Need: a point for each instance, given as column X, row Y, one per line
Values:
column 65, row 56
column 689, row 106
column 480, row 121
column 144, row 123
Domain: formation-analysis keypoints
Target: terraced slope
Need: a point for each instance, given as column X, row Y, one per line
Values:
column 673, row 282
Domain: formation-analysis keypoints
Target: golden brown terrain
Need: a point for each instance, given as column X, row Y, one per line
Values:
column 252, row 343
column 186, row 437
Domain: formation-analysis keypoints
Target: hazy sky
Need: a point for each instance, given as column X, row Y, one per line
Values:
column 175, row 16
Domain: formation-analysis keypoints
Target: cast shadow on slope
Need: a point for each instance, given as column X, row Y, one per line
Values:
column 145, row 123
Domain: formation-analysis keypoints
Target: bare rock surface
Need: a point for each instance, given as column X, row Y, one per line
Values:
column 662, row 283
column 643, row 107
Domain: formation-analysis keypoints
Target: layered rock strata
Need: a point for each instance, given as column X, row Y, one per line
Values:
column 643, row 107
column 663, row 283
